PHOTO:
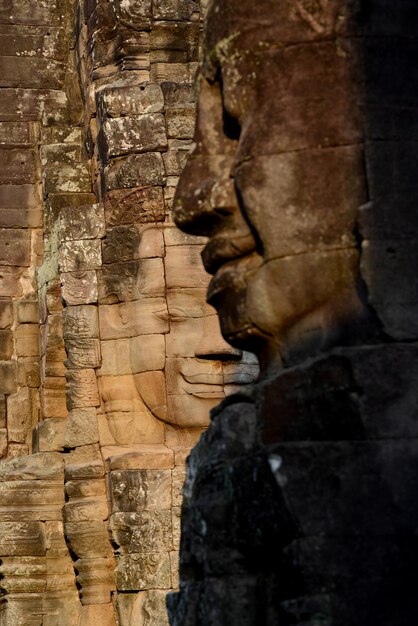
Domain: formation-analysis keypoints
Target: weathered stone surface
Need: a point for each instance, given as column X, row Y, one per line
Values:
column 27, row 339
column 67, row 179
column 53, row 400
column 129, row 100
column 20, row 206
column 82, row 353
column 6, row 313
column 6, row 344
column 134, row 206
column 10, row 284
column 139, row 354
column 43, row 466
column 82, row 389
column 180, row 122
column 123, row 282
column 184, row 267
column 50, row 435
column 22, row 539
column 79, row 287
column 88, row 538
column 84, row 254
column 19, row 415
column 137, row 491
column 124, row 135
column 14, row 247
column 145, row 608
column 138, row 457
column 80, row 322
column 134, row 171
column 81, row 428
column 8, row 377
column 96, row 579
column 147, row 531
column 82, row 222
column 131, row 319
column 125, row 243
column 149, row 570
column 102, row 614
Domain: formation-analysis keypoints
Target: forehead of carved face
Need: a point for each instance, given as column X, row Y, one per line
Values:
column 276, row 176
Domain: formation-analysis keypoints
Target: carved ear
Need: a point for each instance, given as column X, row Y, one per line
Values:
column 320, row 15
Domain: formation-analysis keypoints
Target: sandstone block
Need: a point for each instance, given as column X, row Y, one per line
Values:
column 126, row 243
column 179, row 476
column 102, row 614
column 10, row 285
column 184, row 267
column 141, row 532
column 131, row 319
column 80, row 322
column 146, row 608
column 96, row 579
column 62, row 154
column 6, row 314
column 8, row 377
column 3, row 442
column 54, row 539
column 134, row 206
column 17, row 134
column 6, row 345
column 28, row 372
column 139, row 354
column 18, row 166
column 50, row 434
column 127, row 135
column 2, row 410
column 82, row 222
column 85, row 488
column 81, row 428
column 67, row 179
column 89, row 539
column 181, row 122
column 25, row 574
column 174, row 162
column 135, row 170
column 149, row 570
column 174, row 10
column 60, row 574
column 124, row 282
column 176, row 523
column 82, row 353
column 19, row 415
column 27, row 340
column 152, row 389
column 28, row 312
column 137, row 457
column 135, row 13
column 130, row 100
column 22, row 539
column 54, row 404
column 141, row 490
column 22, row 609
column 82, row 389
column 86, row 510
column 79, row 287
column 84, row 254
column 175, row 36
column 20, row 206
column 14, row 247
column 47, row 466
column 22, row 501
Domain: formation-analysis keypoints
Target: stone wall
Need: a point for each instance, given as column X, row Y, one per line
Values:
column 110, row 357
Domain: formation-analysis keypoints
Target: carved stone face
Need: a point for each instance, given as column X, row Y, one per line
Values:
column 163, row 356
column 276, row 176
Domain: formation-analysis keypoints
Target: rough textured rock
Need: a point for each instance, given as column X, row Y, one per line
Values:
column 96, row 119
column 299, row 502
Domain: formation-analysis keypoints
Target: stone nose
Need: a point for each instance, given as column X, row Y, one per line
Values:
column 212, row 345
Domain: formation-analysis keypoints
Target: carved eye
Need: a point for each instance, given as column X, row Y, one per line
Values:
column 178, row 315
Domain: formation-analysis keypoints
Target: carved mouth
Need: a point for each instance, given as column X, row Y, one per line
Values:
column 227, row 247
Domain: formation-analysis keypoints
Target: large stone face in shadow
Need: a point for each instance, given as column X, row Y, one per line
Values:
column 299, row 501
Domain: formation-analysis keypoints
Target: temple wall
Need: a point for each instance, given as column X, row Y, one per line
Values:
column 110, row 358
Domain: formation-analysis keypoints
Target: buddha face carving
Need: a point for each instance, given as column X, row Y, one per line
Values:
column 276, row 175
column 163, row 358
